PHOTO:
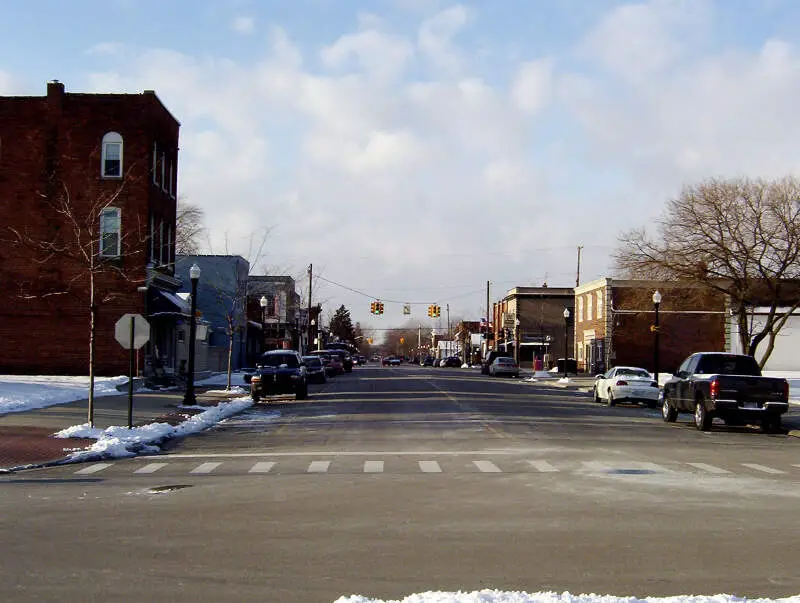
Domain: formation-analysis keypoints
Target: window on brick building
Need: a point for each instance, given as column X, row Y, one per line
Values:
column 155, row 163
column 589, row 307
column 599, row 304
column 580, row 310
column 110, row 232
column 112, row 156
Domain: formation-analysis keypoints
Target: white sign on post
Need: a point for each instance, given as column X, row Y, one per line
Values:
column 141, row 331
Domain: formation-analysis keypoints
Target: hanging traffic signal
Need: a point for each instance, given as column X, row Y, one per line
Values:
column 430, row 311
column 380, row 307
column 372, row 308
column 437, row 312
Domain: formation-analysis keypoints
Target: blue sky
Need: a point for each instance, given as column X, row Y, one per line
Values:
column 413, row 149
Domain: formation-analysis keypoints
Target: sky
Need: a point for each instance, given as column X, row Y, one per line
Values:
column 412, row 150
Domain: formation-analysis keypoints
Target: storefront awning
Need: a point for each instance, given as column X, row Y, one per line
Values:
column 166, row 303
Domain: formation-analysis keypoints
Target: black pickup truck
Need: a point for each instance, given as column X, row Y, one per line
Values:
column 279, row 372
column 728, row 386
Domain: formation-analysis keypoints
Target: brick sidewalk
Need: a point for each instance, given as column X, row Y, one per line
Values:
column 26, row 438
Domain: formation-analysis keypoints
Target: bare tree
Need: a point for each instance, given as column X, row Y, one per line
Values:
column 190, row 228
column 738, row 237
column 86, row 251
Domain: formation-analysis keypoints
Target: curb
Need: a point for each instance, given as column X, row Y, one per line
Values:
column 794, row 433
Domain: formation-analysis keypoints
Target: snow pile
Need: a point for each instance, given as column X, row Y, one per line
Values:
column 235, row 389
column 222, row 379
column 564, row 380
column 118, row 442
column 497, row 596
column 19, row 393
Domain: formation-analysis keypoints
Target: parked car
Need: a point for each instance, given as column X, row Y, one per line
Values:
column 728, row 386
column 337, row 363
column 626, row 383
column 504, row 365
column 279, row 372
column 327, row 361
column 315, row 369
column 427, row 361
column 487, row 361
column 390, row 361
column 346, row 351
column 451, row 362
column 247, row 373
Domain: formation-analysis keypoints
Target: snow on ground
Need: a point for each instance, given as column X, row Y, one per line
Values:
column 118, row 442
column 19, row 393
column 222, row 379
column 497, row 596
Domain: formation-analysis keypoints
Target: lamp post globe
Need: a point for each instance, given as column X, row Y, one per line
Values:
column 566, row 337
column 194, row 276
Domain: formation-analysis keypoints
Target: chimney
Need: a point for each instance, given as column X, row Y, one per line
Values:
column 55, row 89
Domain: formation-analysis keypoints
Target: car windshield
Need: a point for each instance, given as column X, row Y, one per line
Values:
column 312, row 361
column 633, row 373
column 276, row 360
column 504, row 360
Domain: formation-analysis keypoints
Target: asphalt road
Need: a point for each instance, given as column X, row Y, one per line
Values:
column 388, row 482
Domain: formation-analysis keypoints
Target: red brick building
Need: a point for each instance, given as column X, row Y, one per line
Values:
column 613, row 320
column 88, row 183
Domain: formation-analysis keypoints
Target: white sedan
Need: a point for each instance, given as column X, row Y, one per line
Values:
column 627, row 383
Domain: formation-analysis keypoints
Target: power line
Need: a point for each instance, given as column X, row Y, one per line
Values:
column 393, row 301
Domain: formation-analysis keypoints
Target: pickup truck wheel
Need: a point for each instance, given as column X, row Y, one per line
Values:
column 701, row 418
column 610, row 400
column 668, row 413
column 256, row 397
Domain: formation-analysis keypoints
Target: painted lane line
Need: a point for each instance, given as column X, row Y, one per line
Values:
column 709, row 468
column 429, row 467
column 543, row 466
column 150, row 468
column 373, row 466
column 205, row 468
column 263, row 467
column 319, row 467
column 487, row 466
column 93, row 468
column 652, row 467
column 762, row 468
column 595, row 466
column 306, row 453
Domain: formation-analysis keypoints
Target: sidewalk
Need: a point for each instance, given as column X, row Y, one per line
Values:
column 26, row 437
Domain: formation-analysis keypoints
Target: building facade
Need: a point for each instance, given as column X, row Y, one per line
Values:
column 88, row 189
column 280, row 317
column 540, row 336
column 615, row 323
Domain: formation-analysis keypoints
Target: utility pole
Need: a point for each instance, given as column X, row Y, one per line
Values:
column 485, row 349
column 578, row 277
column 308, row 318
column 449, row 336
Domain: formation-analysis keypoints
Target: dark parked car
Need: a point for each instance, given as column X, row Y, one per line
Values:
column 346, row 351
column 728, row 386
column 451, row 362
column 279, row 372
column 315, row 370
column 427, row 361
column 487, row 362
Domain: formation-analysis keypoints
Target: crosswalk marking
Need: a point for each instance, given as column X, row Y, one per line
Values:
column 762, row 468
column 373, row 466
column 487, row 466
column 150, row 468
column 319, row 467
column 429, row 467
column 595, row 466
column 543, row 466
column 652, row 467
column 263, row 467
column 93, row 468
column 709, row 468
column 205, row 468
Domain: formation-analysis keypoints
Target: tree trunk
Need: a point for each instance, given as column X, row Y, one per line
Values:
column 230, row 352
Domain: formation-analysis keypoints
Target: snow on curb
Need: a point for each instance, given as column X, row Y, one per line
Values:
column 120, row 442
column 497, row 596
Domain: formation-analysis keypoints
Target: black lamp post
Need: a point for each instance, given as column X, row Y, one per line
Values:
column 566, row 337
column 263, row 302
column 516, row 341
column 656, row 303
column 189, row 398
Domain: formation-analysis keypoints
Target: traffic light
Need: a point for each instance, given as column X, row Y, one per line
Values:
column 430, row 311
column 372, row 308
column 402, row 340
column 437, row 311
column 380, row 307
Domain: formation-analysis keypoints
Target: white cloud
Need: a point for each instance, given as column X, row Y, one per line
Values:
column 105, row 48
column 532, row 86
column 379, row 54
column 243, row 24
column 435, row 38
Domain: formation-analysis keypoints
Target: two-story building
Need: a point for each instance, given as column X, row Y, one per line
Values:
column 280, row 316
column 88, row 189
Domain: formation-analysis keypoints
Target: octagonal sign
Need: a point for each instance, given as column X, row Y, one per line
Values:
column 141, row 331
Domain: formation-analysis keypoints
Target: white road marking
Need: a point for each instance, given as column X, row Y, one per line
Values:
column 373, row 466
column 429, row 467
column 264, row 467
column 543, row 467
column 228, row 455
column 762, row 468
column 93, row 468
column 652, row 467
column 318, row 467
column 595, row 466
column 709, row 468
column 487, row 466
column 205, row 468
column 151, row 468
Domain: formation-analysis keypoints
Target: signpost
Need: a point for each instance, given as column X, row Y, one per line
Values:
column 132, row 331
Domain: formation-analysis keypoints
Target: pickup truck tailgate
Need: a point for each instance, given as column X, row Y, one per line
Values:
column 744, row 388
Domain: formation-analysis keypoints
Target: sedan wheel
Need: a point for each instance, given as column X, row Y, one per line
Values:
column 610, row 400
column 596, row 395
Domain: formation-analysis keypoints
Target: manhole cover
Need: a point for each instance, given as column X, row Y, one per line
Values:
column 165, row 489
column 631, row 472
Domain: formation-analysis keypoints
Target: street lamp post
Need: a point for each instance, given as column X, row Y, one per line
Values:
column 566, row 336
column 263, row 302
column 656, row 304
column 189, row 398
column 516, row 340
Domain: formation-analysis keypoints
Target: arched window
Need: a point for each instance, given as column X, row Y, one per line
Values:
column 112, row 156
